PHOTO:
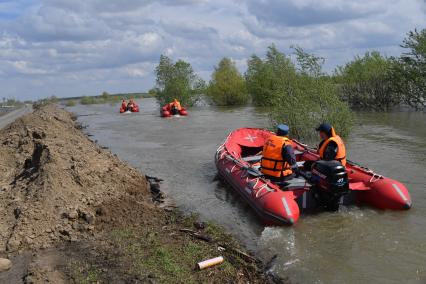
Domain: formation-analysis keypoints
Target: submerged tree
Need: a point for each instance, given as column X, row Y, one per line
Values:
column 410, row 72
column 297, row 94
column 177, row 80
column 311, row 98
column 265, row 78
column 227, row 86
column 366, row 82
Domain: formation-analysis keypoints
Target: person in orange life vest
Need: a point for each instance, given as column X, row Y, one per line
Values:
column 124, row 104
column 278, row 161
column 331, row 146
column 130, row 105
column 175, row 107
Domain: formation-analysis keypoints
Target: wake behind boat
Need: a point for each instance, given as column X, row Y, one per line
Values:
column 321, row 184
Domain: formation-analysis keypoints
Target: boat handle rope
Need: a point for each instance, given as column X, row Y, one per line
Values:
column 255, row 184
column 232, row 169
column 245, row 167
column 375, row 177
column 260, row 189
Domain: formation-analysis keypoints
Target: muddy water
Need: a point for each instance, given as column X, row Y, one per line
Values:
column 351, row 246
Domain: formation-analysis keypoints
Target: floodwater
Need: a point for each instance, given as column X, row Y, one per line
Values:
column 354, row 245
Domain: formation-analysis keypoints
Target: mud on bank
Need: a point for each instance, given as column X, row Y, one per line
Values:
column 73, row 212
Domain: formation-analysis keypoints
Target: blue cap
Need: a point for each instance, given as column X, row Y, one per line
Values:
column 282, row 130
column 324, row 127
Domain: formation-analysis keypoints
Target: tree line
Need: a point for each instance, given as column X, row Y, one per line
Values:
column 297, row 91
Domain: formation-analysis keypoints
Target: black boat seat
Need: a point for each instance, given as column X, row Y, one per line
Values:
column 294, row 183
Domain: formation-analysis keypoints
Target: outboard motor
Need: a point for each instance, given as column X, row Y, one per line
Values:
column 330, row 183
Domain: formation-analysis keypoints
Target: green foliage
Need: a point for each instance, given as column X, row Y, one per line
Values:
column 84, row 273
column 299, row 95
column 45, row 101
column 266, row 78
column 309, row 64
column 227, row 86
column 70, row 103
column 410, row 72
column 177, row 80
column 10, row 102
column 308, row 102
column 105, row 96
column 86, row 100
column 366, row 82
column 102, row 99
column 153, row 92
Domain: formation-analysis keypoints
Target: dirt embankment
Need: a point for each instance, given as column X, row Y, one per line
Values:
column 73, row 212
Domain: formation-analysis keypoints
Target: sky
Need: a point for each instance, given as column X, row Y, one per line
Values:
column 84, row 47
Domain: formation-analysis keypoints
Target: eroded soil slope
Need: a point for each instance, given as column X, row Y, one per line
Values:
column 53, row 179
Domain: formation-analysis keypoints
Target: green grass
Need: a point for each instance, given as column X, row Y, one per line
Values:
column 84, row 273
column 161, row 253
column 173, row 260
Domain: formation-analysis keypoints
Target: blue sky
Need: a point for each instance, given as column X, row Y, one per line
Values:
column 84, row 47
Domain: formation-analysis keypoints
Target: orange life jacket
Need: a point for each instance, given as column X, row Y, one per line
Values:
column 341, row 149
column 175, row 104
column 272, row 163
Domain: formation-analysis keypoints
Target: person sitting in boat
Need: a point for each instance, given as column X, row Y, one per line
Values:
column 130, row 105
column 278, row 161
column 175, row 107
column 331, row 146
column 124, row 104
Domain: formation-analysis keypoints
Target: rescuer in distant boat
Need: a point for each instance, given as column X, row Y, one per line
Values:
column 331, row 146
column 130, row 105
column 124, row 104
column 278, row 161
column 175, row 107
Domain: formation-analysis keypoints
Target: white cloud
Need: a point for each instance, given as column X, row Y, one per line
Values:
column 87, row 46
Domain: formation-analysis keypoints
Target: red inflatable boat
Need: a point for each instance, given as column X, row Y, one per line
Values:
column 135, row 108
column 166, row 111
column 320, row 183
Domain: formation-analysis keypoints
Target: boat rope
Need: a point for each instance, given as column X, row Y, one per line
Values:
column 375, row 177
column 260, row 189
column 257, row 180
column 232, row 169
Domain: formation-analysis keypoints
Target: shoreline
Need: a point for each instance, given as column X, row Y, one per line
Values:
column 108, row 229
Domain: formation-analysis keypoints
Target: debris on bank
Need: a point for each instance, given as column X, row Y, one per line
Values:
column 74, row 212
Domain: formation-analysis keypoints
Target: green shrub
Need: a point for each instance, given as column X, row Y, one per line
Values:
column 267, row 78
column 308, row 102
column 177, row 80
column 70, row 103
column 227, row 86
column 409, row 73
column 299, row 95
column 45, row 101
column 153, row 92
column 366, row 82
column 86, row 100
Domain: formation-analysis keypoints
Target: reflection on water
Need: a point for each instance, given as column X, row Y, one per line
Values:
column 354, row 245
